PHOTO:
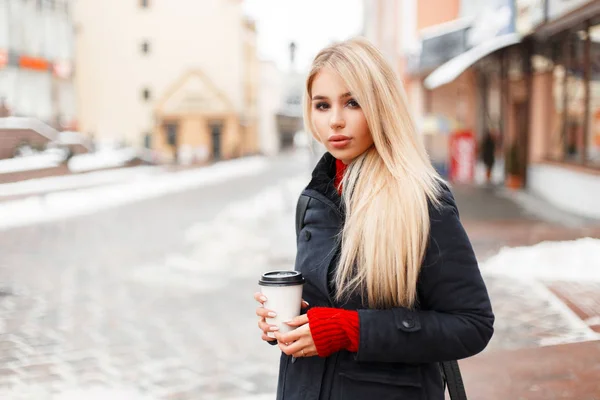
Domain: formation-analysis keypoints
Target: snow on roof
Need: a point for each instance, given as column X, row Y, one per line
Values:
column 29, row 123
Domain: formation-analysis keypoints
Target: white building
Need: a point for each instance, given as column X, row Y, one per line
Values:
column 36, row 60
column 269, row 102
column 168, row 74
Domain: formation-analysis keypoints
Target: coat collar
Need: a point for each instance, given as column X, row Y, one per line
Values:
column 323, row 179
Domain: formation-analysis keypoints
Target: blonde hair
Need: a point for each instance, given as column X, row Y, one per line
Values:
column 386, row 190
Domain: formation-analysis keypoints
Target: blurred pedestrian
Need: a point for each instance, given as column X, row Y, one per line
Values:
column 488, row 154
column 4, row 110
column 392, row 281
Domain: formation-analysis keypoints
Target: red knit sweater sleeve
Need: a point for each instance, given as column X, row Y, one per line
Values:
column 333, row 329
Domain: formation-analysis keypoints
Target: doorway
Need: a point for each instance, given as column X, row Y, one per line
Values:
column 172, row 136
column 216, row 132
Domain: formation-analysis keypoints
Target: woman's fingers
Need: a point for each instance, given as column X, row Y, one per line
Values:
column 306, row 352
column 296, row 348
column 267, row 338
column 263, row 326
column 261, row 298
column 265, row 312
column 304, row 304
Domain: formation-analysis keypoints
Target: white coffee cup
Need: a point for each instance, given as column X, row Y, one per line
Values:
column 283, row 290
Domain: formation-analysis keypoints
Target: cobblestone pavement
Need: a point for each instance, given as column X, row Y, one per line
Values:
column 154, row 300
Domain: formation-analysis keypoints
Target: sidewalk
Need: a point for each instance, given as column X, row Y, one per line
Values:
column 531, row 362
column 570, row 371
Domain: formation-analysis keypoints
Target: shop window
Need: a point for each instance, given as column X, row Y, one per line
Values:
column 574, row 125
column 593, row 134
column 567, row 125
column 555, row 149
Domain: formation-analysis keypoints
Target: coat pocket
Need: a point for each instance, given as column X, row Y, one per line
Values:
column 374, row 381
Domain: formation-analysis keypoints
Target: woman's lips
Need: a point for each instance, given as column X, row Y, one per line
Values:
column 339, row 141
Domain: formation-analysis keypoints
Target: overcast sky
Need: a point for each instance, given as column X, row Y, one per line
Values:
column 312, row 24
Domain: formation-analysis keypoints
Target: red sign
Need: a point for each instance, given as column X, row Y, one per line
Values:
column 62, row 69
column 35, row 63
column 462, row 157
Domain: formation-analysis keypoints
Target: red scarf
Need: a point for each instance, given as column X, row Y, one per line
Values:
column 340, row 168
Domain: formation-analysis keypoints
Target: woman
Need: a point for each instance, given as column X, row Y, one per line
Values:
column 391, row 278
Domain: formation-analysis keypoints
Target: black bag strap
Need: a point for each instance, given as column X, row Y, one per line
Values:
column 454, row 381
column 300, row 212
column 450, row 369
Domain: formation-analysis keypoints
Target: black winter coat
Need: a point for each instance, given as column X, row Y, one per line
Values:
column 400, row 349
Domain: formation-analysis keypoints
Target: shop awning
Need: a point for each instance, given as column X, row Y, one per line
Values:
column 452, row 69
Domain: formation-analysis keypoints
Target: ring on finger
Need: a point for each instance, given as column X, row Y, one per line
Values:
column 303, row 355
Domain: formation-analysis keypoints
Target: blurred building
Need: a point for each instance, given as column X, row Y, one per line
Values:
column 560, row 84
column 436, row 32
column 179, row 78
column 289, row 114
column 526, row 69
column 270, row 95
column 36, row 61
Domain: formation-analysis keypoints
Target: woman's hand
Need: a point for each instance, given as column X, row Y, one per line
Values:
column 299, row 342
column 264, row 313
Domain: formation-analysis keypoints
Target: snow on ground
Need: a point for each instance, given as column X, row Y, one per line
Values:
column 109, row 158
column 77, row 181
column 47, row 159
column 54, row 206
column 103, row 394
column 129, row 394
column 206, row 265
column 576, row 260
column 102, row 159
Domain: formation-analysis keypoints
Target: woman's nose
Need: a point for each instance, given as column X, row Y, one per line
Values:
column 337, row 121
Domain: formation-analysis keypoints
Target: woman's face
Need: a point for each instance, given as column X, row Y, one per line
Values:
column 337, row 118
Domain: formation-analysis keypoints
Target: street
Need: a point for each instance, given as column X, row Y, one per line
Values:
column 153, row 299
column 155, row 296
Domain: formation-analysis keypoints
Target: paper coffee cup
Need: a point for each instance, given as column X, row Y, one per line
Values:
column 283, row 290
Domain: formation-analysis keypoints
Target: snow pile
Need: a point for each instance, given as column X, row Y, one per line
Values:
column 102, row 159
column 577, row 260
column 55, row 206
column 79, row 181
column 47, row 159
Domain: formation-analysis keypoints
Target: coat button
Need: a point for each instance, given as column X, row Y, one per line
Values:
column 307, row 235
column 408, row 323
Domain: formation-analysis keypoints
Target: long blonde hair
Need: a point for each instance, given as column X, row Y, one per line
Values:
column 386, row 189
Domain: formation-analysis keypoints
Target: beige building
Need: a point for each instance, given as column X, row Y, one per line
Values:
column 270, row 100
column 181, row 79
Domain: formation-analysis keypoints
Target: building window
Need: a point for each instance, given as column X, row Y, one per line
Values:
column 574, row 131
column 146, row 94
column 593, row 133
column 145, row 47
column 555, row 145
column 567, row 133
column 147, row 140
column 144, row 3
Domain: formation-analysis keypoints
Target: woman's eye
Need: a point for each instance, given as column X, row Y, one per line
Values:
column 352, row 104
column 322, row 106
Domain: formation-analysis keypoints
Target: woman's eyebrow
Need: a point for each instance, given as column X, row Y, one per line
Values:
column 320, row 97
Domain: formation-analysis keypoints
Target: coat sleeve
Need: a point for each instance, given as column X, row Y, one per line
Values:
column 454, row 319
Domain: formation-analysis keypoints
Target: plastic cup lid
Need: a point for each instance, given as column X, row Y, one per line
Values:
column 281, row 278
